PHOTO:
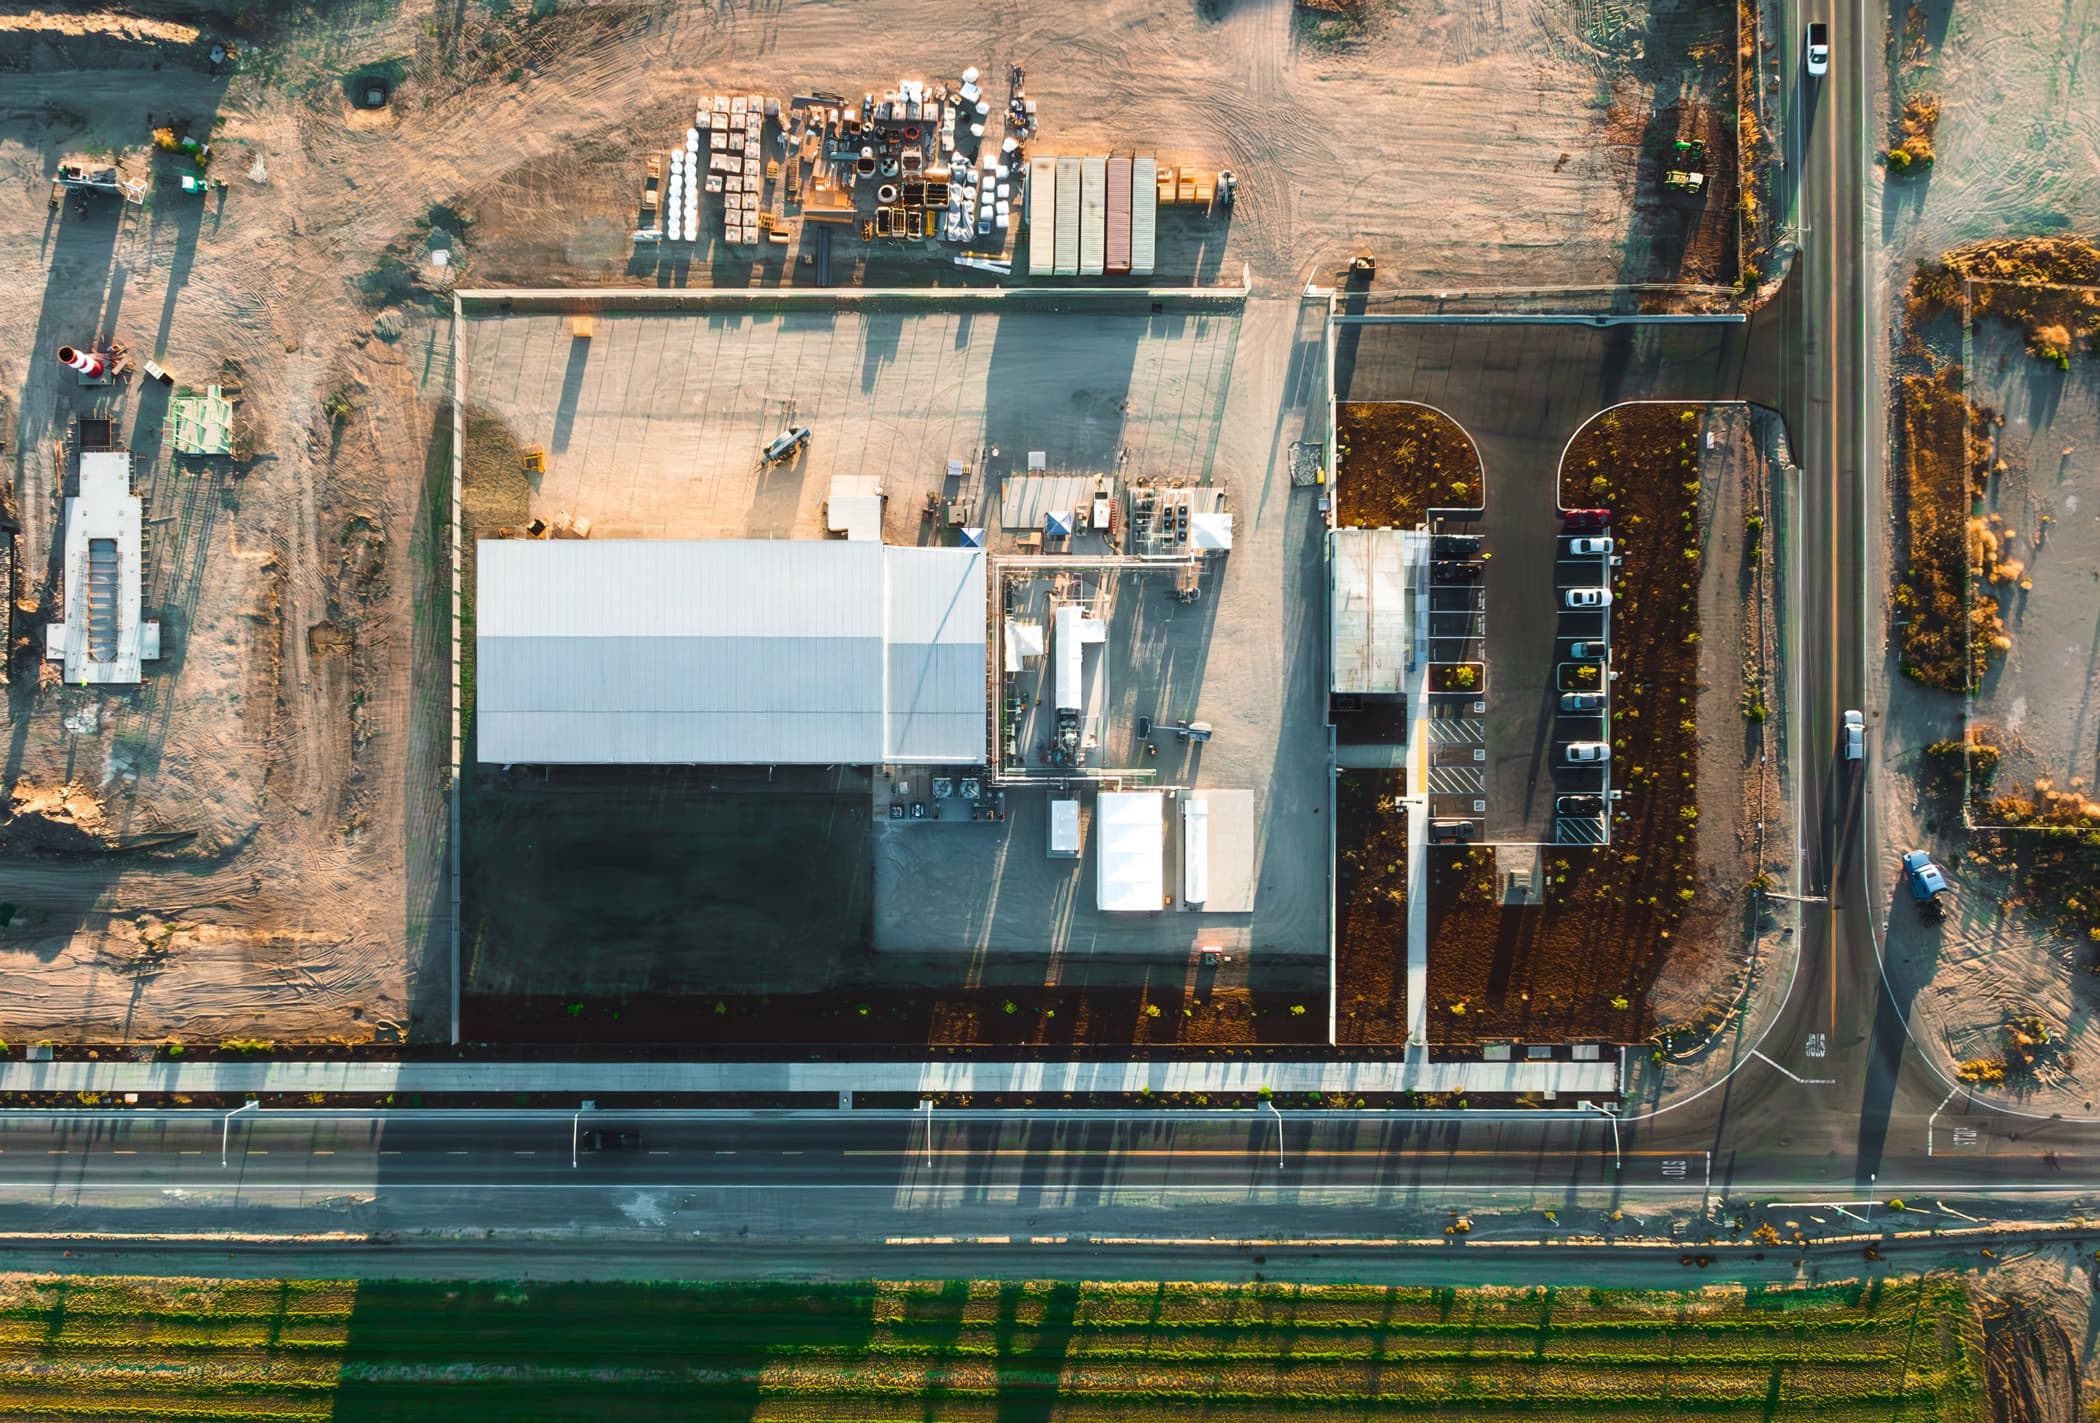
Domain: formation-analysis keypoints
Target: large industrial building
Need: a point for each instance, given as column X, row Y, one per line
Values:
column 729, row 652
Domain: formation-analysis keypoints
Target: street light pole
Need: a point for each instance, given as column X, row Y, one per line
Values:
column 1279, row 1132
column 226, row 1129
column 927, row 1104
column 1618, row 1158
column 575, row 1136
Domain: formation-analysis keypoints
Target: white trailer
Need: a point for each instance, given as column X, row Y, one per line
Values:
column 1093, row 214
column 1071, row 691
column 1042, row 216
column 1144, row 214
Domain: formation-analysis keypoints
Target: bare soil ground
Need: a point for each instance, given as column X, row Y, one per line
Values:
column 2045, row 698
column 2016, row 155
column 295, row 728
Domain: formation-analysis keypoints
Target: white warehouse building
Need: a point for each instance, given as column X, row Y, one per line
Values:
column 728, row 652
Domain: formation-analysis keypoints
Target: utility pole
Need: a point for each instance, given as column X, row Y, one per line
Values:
column 226, row 1128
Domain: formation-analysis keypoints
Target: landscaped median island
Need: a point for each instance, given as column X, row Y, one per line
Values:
column 1894, row 1348
column 1370, row 906
column 1401, row 460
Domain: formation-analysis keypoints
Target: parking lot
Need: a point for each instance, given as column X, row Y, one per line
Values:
column 1498, row 755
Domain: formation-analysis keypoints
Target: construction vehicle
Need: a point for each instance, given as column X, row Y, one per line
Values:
column 786, row 445
column 168, row 141
column 80, row 176
column 1684, row 171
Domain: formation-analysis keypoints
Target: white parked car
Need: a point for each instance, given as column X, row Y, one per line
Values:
column 1585, row 598
column 1855, row 736
column 1586, row 753
column 1818, row 48
column 1588, row 547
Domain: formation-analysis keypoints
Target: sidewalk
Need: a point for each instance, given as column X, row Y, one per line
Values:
column 1569, row 1079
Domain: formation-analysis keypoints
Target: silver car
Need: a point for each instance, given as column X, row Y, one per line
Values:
column 1586, row 753
column 1855, row 736
column 1585, row 598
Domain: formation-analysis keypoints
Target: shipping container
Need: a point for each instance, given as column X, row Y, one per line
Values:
column 1117, row 256
column 1093, row 214
column 1144, row 214
column 1042, row 216
column 1067, row 261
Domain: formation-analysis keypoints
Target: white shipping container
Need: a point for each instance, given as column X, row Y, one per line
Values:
column 1093, row 214
column 1067, row 217
column 1144, row 214
column 1042, row 216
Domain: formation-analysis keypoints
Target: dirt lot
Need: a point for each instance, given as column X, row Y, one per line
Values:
column 1535, row 135
column 2017, row 154
column 2044, row 702
column 296, row 722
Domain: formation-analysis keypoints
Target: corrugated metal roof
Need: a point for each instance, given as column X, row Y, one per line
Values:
column 724, row 652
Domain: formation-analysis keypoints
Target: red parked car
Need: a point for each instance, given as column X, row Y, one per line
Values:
column 1589, row 518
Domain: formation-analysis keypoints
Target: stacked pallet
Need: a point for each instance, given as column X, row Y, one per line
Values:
column 734, row 130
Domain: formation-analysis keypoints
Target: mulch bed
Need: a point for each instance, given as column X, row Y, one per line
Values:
column 1399, row 461
column 1083, row 1020
column 1560, row 969
column 1370, row 905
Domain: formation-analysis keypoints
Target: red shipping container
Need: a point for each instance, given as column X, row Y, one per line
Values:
column 1118, row 217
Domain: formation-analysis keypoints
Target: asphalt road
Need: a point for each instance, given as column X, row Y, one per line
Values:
column 1100, row 1158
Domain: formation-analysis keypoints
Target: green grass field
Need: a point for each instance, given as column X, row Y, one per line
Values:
column 88, row 1348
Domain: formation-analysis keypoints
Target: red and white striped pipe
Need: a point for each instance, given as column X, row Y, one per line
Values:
column 88, row 363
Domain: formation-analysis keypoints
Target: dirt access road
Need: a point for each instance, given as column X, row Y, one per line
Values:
column 294, row 724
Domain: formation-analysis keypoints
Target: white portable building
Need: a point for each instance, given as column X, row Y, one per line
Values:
column 1064, row 830
column 1129, row 827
